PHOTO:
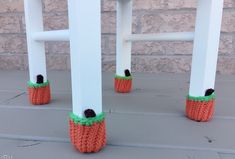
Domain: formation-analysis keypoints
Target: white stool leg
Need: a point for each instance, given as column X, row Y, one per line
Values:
column 206, row 44
column 36, row 50
column 201, row 100
column 124, row 27
column 38, row 86
column 85, row 48
column 87, row 119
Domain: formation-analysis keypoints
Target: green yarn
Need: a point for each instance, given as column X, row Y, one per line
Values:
column 87, row 121
column 36, row 85
column 123, row 77
column 201, row 98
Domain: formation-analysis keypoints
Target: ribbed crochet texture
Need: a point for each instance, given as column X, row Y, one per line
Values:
column 39, row 94
column 88, row 135
column 122, row 84
column 200, row 108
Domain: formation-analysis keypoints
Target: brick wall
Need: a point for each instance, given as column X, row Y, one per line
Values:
column 150, row 16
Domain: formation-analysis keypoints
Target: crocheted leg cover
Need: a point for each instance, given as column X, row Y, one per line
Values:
column 88, row 135
column 39, row 94
column 200, row 108
column 122, row 84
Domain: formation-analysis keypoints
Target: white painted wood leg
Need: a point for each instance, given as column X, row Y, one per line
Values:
column 206, row 44
column 85, row 48
column 124, row 27
column 36, row 50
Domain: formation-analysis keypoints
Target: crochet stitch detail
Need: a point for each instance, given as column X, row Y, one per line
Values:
column 88, row 135
column 200, row 108
column 87, row 121
column 122, row 85
column 39, row 95
column 201, row 98
column 36, row 85
column 123, row 77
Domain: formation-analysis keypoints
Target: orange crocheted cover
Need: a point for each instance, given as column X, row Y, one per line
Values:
column 88, row 139
column 39, row 95
column 122, row 85
column 200, row 110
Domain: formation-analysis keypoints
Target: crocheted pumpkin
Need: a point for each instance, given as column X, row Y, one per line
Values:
column 88, row 135
column 39, row 94
column 122, row 84
column 200, row 108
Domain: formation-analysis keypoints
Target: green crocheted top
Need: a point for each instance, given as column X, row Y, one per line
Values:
column 123, row 77
column 202, row 98
column 36, row 85
column 87, row 121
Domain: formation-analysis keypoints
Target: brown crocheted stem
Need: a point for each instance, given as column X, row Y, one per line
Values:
column 39, row 95
column 122, row 85
column 88, row 139
column 200, row 110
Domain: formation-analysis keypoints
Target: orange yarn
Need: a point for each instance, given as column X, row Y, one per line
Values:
column 200, row 110
column 88, row 139
column 39, row 95
column 122, row 85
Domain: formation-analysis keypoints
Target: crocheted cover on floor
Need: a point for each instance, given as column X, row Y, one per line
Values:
column 200, row 108
column 39, row 94
column 87, row 134
column 122, row 84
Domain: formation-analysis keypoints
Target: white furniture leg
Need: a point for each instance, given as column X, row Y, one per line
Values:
column 124, row 27
column 85, row 49
column 36, row 50
column 206, row 44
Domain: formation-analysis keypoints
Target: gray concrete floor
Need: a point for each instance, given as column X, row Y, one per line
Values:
column 147, row 123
